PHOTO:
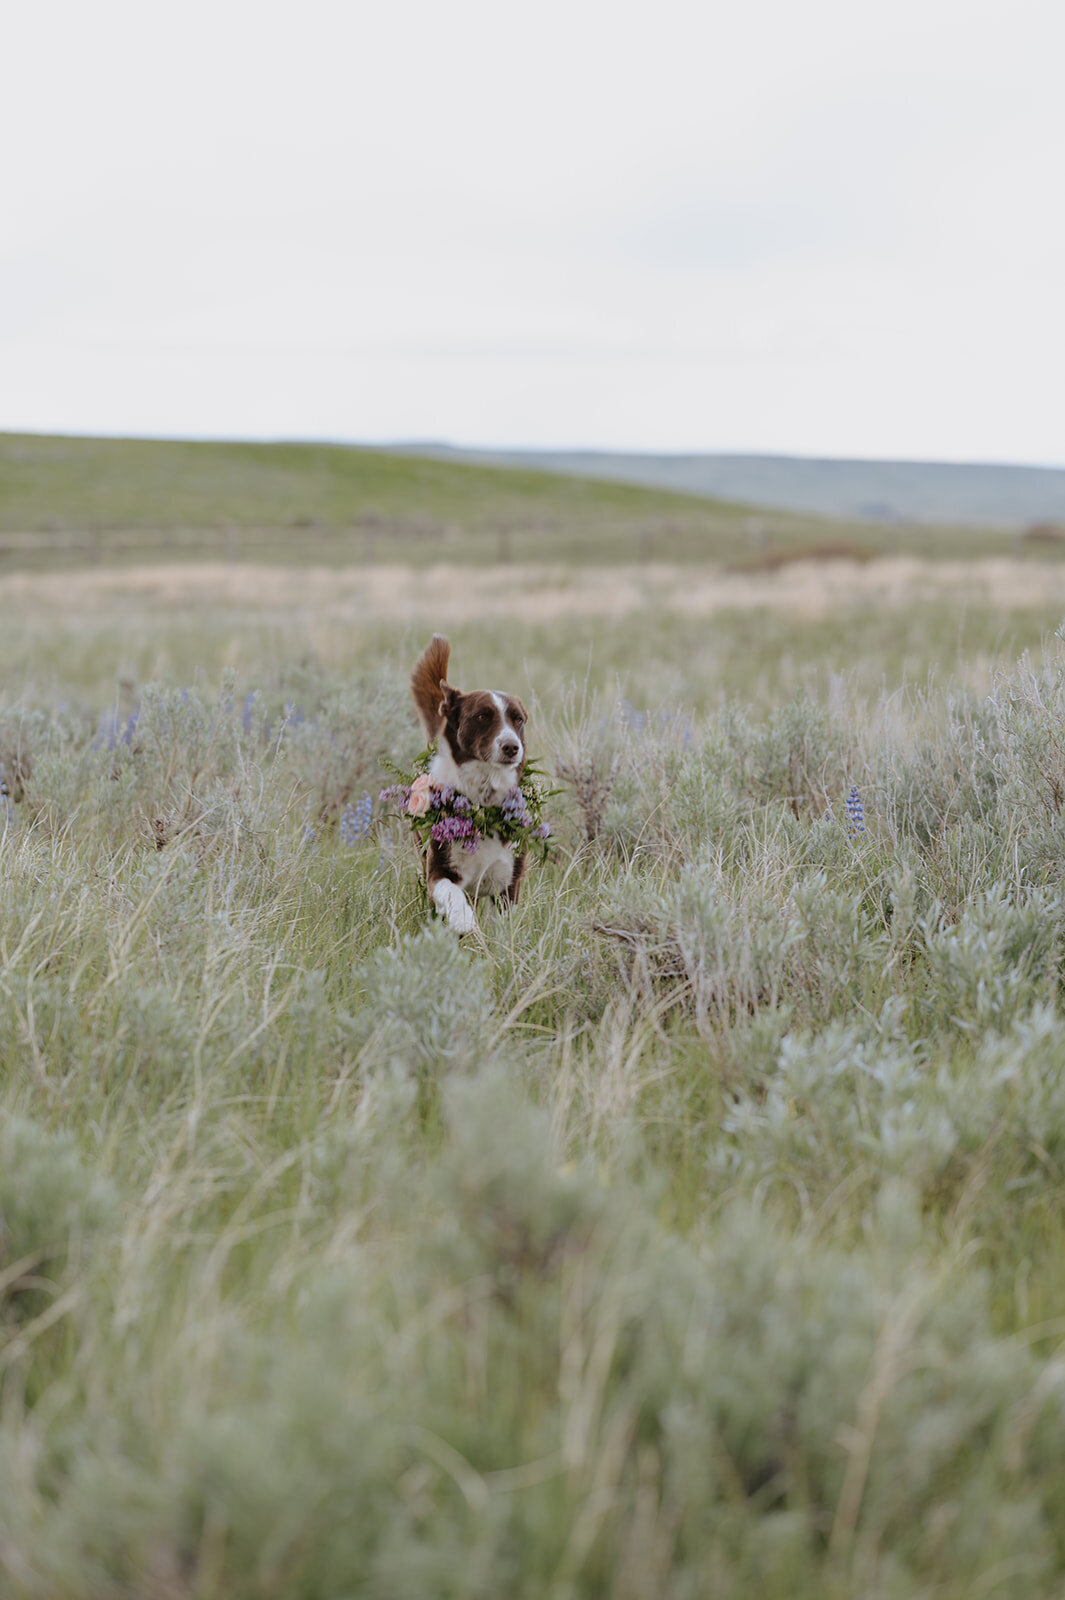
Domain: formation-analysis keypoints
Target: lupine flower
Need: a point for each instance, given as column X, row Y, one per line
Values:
column 107, row 731
column 309, row 837
column 855, row 812
column 357, row 821
column 249, row 711
column 112, row 731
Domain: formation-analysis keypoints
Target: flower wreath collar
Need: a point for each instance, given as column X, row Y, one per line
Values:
column 441, row 813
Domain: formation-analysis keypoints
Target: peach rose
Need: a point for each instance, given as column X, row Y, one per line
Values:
column 418, row 799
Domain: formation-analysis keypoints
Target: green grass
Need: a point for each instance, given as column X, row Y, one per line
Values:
column 693, row 1230
column 71, row 500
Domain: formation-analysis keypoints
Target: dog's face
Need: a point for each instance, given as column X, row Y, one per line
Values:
column 485, row 726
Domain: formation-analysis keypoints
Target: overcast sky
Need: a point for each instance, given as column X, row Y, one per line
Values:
column 814, row 226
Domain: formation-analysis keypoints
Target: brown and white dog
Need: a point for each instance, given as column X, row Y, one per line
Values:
column 480, row 752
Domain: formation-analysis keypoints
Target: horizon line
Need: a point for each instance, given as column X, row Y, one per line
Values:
column 414, row 446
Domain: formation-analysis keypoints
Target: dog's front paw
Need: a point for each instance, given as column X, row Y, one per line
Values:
column 453, row 906
column 461, row 918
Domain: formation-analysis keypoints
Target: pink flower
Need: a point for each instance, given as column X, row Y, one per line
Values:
column 418, row 799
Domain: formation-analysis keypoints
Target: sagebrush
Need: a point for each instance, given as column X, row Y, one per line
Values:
column 694, row 1229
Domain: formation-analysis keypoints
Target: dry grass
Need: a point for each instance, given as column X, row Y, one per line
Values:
column 447, row 594
column 820, row 550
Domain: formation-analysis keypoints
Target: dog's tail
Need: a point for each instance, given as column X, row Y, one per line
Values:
column 429, row 685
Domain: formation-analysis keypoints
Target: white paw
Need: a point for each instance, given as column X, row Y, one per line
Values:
column 452, row 904
column 461, row 918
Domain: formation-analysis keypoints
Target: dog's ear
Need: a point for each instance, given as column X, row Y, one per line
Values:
column 433, row 695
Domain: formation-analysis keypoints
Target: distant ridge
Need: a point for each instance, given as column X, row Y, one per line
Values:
column 980, row 494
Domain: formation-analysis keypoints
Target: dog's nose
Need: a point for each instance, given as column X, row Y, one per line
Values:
column 509, row 750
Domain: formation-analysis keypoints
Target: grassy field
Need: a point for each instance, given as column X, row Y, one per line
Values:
column 696, row 1229
column 65, row 501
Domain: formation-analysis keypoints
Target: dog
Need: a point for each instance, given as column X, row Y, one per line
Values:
column 480, row 752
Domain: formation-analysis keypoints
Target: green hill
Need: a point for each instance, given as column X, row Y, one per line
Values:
column 69, row 500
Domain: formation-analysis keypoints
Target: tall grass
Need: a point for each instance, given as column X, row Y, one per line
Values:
column 695, row 1229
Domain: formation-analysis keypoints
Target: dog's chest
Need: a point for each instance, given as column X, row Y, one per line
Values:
column 486, row 871
column 490, row 868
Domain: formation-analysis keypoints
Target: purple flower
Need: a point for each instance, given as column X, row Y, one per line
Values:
column 108, row 732
column 449, row 829
column 855, row 812
column 357, row 821
column 515, row 809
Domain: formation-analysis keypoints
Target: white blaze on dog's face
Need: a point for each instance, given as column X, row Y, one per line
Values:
column 508, row 749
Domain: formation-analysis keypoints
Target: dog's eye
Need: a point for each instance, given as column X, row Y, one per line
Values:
column 518, row 720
